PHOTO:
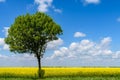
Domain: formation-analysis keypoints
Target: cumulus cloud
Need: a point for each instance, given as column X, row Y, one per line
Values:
column 3, row 45
column 2, row 0
column 85, row 53
column 2, row 41
column 84, row 48
column 60, row 54
column 79, row 34
column 116, row 55
column 5, row 30
column 54, row 44
column 44, row 5
column 105, row 42
column 91, row 1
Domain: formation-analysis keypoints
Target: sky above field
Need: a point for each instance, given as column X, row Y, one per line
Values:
column 91, row 30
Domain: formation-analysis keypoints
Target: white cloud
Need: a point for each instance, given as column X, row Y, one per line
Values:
column 56, row 10
column 84, row 48
column 2, row 0
column 106, row 40
column 107, row 52
column 6, row 47
column 73, row 46
column 86, row 53
column 91, row 1
column 116, row 55
column 60, row 53
column 54, row 44
column 2, row 41
column 5, row 30
column 3, row 45
column 44, row 5
column 79, row 34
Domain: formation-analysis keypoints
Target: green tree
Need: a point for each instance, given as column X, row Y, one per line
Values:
column 31, row 33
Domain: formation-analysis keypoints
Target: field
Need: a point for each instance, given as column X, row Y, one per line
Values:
column 27, row 73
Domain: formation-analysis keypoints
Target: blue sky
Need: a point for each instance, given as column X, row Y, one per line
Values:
column 90, row 37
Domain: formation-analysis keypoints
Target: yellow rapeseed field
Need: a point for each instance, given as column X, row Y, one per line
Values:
column 58, row 72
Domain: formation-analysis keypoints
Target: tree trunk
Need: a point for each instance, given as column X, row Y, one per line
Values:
column 39, row 67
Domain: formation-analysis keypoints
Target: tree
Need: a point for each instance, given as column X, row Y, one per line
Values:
column 31, row 33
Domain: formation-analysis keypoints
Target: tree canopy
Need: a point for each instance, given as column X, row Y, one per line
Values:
column 30, row 33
